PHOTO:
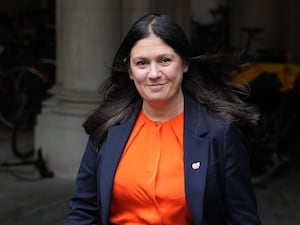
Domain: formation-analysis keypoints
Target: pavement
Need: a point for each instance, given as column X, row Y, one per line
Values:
column 26, row 199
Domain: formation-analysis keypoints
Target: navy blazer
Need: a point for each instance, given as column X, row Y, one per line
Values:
column 219, row 192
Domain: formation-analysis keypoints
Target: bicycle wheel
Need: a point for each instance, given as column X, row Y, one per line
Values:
column 21, row 88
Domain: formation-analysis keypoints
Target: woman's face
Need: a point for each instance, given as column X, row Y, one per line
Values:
column 156, row 70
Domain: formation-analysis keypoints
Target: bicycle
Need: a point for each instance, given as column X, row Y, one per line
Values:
column 27, row 65
column 272, row 79
column 25, row 79
column 272, row 82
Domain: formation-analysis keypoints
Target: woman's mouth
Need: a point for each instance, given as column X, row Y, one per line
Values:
column 156, row 87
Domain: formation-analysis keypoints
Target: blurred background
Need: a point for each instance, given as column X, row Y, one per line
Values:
column 55, row 54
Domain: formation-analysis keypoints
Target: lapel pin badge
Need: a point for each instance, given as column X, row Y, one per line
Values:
column 196, row 165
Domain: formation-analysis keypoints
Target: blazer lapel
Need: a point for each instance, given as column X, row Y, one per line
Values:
column 196, row 150
column 111, row 153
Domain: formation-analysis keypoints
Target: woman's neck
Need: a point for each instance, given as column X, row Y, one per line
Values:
column 163, row 111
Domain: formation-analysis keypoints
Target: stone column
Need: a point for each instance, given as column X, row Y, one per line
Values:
column 88, row 34
column 132, row 10
column 179, row 9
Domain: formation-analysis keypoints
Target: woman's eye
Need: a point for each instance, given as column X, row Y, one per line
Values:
column 165, row 60
column 141, row 63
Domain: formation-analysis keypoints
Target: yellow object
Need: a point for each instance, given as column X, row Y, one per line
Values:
column 286, row 73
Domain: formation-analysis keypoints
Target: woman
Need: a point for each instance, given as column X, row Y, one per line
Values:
column 164, row 144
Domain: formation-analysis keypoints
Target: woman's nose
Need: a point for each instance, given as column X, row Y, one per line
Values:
column 154, row 71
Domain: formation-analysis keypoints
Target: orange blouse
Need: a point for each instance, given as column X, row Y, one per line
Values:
column 149, row 181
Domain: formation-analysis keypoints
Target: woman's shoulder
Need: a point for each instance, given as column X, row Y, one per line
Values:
column 215, row 125
column 199, row 111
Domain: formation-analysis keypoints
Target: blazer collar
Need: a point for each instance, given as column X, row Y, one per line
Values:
column 195, row 116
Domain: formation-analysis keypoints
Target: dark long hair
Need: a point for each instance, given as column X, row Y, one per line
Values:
column 206, row 80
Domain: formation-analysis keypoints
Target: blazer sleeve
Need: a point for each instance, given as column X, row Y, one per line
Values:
column 240, row 199
column 83, row 205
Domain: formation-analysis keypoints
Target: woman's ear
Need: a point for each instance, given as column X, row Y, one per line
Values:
column 130, row 74
column 186, row 66
column 126, row 60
